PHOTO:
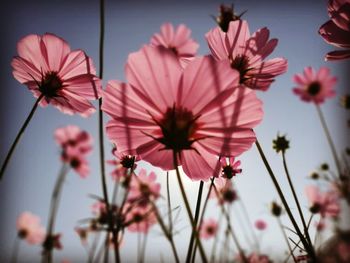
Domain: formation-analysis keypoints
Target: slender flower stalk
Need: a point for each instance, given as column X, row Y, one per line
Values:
column 55, row 200
column 329, row 138
column 188, row 208
column 19, row 135
column 286, row 238
column 15, row 250
column 213, row 251
column 308, row 247
column 169, row 205
column 306, row 232
column 196, row 217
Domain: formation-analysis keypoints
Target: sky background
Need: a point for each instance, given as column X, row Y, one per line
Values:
column 32, row 172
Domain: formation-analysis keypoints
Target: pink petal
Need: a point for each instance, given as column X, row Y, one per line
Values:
column 154, row 153
column 216, row 39
column 237, row 35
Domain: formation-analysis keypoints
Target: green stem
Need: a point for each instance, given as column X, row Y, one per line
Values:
column 306, row 245
column 306, row 232
column 19, row 135
column 329, row 139
column 188, row 208
column 196, row 216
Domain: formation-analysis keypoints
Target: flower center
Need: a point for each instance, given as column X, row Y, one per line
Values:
column 128, row 161
column 50, row 84
column 229, row 195
column 314, row 88
column 75, row 163
column 178, row 127
column 210, row 230
column 240, row 63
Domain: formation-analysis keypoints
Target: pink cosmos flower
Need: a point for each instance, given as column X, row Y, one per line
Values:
column 143, row 187
column 325, row 203
column 166, row 109
column 121, row 163
column 337, row 30
column 179, row 41
column 256, row 258
column 230, row 168
column 208, row 229
column 260, row 224
column 76, row 144
column 139, row 218
column 315, row 86
column 247, row 54
column 225, row 191
column 29, row 228
column 64, row 78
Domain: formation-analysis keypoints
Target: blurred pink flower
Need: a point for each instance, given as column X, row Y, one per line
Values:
column 344, row 251
column 337, row 30
column 29, row 228
column 65, row 78
column 76, row 144
column 139, row 218
column 325, row 203
column 225, row 191
column 168, row 109
column 230, row 168
column 178, row 41
column 143, row 187
column 260, row 224
column 247, row 53
column 315, row 86
column 256, row 258
column 208, row 229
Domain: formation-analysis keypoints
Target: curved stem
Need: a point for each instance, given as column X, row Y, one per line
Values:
column 329, row 138
column 188, row 208
column 306, row 245
column 306, row 232
column 18, row 137
column 196, row 216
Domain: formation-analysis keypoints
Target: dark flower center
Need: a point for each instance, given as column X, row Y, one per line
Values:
column 128, row 161
column 210, row 230
column 228, row 171
column 316, row 208
column 174, row 50
column 74, row 163
column 314, row 88
column 22, row 233
column 50, row 84
column 229, row 195
column 240, row 63
column 138, row 218
column 178, row 127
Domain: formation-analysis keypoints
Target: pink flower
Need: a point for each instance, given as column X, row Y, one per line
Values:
column 260, row 224
column 29, row 228
column 325, row 203
column 225, row 191
column 66, row 79
column 256, row 258
column 231, row 168
column 121, row 163
column 168, row 109
column 178, row 41
column 337, row 30
column 138, row 218
column 208, row 229
column 143, row 187
column 76, row 144
column 315, row 86
column 247, row 54
column 343, row 250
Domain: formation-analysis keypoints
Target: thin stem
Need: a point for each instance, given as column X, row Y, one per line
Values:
column 196, row 216
column 329, row 139
column 308, row 247
column 15, row 250
column 143, row 248
column 286, row 238
column 188, row 208
column 306, row 232
column 93, row 247
column 169, row 205
column 55, row 199
column 213, row 251
column 19, row 135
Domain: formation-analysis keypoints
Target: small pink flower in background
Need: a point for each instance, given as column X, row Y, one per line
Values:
column 247, row 54
column 343, row 250
column 320, row 225
column 168, row 109
column 76, row 144
column 83, row 234
column 65, row 78
column 230, row 168
column 337, row 30
column 143, row 187
column 256, row 258
column 315, row 86
column 29, row 228
column 225, row 191
column 121, row 163
column 260, row 224
column 325, row 203
column 208, row 229
column 178, row 41
column 139, row 218
column 98, row 208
